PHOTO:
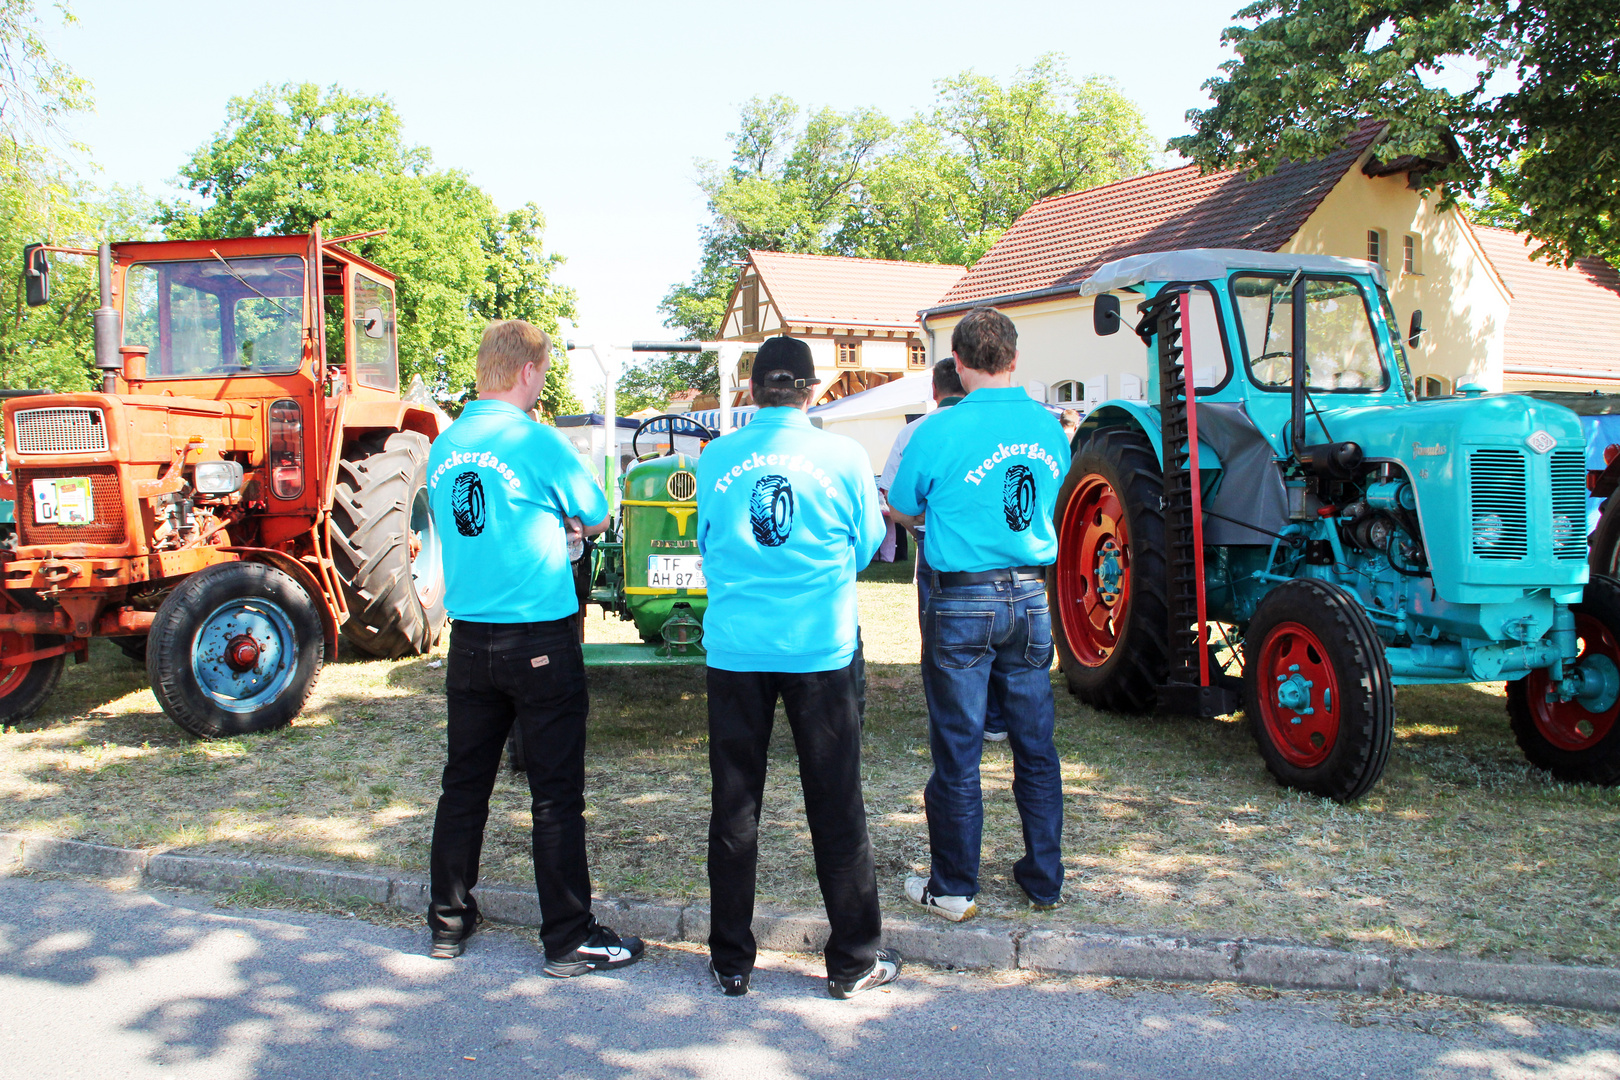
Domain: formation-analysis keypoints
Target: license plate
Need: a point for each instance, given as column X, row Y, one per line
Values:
column 64, row 501
column 675, row 572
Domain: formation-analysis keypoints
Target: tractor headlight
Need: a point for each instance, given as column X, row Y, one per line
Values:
column 1563, row 529
column 1488, row 530
column 217, row 477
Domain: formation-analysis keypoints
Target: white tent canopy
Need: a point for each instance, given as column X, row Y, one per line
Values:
column 874, row 417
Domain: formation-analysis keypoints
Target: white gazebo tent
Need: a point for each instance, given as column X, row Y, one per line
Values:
column 874, row 417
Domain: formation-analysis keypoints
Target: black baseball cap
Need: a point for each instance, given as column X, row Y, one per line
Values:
column 784, row 361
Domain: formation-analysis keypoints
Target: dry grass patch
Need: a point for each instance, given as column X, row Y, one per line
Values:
column 1171, row 824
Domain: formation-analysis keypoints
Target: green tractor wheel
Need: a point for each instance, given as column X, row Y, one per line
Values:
column 1576, row 743
column 1318, row 690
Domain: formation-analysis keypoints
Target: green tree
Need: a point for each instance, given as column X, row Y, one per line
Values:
column 292, row 156
column 1537, row 128
column 519, row 270
column 942, row 187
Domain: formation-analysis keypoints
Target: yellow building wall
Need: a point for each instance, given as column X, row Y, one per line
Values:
column 1464, row 303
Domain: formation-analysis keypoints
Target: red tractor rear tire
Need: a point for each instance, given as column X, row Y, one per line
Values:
column 386, row 546
column 1107, row 588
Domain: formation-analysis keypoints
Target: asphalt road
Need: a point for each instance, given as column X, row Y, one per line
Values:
column 96, row 982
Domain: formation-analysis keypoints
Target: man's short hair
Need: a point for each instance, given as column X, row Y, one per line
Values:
column 771, row 397
column 947, row 383
column 509, row 344
column 985, row 340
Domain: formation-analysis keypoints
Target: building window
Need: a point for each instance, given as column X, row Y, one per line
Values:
column 1375, row 246
column 916, row 355
column 849, row 353
column 1410, row 255
column 1432, row 386
column 1068, row 392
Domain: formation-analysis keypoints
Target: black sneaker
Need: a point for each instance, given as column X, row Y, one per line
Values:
column 730, row 985
column 886, row 970
column 450, row 946
column 603, row 950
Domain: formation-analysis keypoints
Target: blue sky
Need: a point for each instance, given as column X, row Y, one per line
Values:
column 594, row 111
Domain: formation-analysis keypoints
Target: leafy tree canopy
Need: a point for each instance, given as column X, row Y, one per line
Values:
column 939, row 187
column 1537, row 128
column 292, row 156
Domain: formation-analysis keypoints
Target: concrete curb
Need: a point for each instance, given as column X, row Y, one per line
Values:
column 1277, row 964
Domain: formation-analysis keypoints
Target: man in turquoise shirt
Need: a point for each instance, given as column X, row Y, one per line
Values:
column 786, row 517
column 505, row 492
column 987, row 474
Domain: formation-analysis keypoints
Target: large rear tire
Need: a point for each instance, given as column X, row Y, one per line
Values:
column 26, row 687
column 1318, row 690
column 1603, row 546
column 1573, row 742
column 1108, row 587
column 235, row 648
column 386, row 546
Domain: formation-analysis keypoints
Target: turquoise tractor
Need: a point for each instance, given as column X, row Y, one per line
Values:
column 1281, row 526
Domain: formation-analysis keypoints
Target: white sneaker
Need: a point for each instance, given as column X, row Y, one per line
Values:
column 995, row 736
column 954, row 908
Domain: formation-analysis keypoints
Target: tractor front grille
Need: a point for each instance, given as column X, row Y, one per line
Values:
column 1569, row 505
column 60, row 431
column 105, row 492
column 1497, row 495
column 681, row 485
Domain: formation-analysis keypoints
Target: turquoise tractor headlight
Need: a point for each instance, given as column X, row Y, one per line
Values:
column 1488, row 530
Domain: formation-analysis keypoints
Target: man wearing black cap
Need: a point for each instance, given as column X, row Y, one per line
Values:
column 787, row 515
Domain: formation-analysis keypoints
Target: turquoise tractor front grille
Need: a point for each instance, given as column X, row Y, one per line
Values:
column 1498, row 499
column 1569, row 505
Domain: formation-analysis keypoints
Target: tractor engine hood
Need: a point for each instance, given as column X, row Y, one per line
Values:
column 1500, row 482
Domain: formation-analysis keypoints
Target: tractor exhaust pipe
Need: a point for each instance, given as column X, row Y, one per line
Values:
column 105, row 321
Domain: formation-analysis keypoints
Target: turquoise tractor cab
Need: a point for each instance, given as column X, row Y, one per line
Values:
column 1282, row 526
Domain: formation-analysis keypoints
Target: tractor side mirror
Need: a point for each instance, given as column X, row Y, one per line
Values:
column 372, row 320
column 1414, row 330
column 1105, row 314
column 37, row 273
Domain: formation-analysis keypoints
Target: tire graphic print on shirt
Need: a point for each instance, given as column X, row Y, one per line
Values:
column 1018, row 497
column 770, row 510
column 467, row 503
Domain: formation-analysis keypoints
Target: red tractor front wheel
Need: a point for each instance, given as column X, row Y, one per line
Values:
column 25, row 687
column 1577, row 741
column 1318, row 691
column 1107, row 589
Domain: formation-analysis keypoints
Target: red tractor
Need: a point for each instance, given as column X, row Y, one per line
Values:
column 247, row 484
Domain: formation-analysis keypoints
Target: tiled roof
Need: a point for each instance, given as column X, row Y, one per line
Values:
column 823, row 290
column 1058, row 242
column 1565, row 318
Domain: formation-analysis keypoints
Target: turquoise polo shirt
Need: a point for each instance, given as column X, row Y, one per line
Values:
column 987, row 474
column 787, row 515
column 499, row 485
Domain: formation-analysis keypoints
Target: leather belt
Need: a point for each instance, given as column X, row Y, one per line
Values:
column 950, row 578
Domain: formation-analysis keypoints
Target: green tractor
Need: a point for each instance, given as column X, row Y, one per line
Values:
column 1283, row 527
column 647, row 568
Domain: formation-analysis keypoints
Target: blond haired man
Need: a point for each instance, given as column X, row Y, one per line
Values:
column 505, row 493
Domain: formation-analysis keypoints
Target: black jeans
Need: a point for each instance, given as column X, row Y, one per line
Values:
column 823, row 712
column 533, row 675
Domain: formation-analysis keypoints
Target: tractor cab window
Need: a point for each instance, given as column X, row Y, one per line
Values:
column 376, row 362
column 1341, row 350
column 214, row 317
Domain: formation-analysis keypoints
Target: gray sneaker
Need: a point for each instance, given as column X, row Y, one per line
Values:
column 884, row 971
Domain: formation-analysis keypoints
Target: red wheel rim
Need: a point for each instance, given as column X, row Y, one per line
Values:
column 14, row 644
column 1299, row 695
column 1567, row 724
column 1093, row 571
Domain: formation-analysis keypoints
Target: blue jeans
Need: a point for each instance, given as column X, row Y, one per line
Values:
column 991, row 642
column 924, row 577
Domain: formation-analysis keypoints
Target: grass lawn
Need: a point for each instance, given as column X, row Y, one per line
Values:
column 1171, row 824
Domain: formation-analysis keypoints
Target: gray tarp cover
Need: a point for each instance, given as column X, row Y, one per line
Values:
column 1251, row 484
